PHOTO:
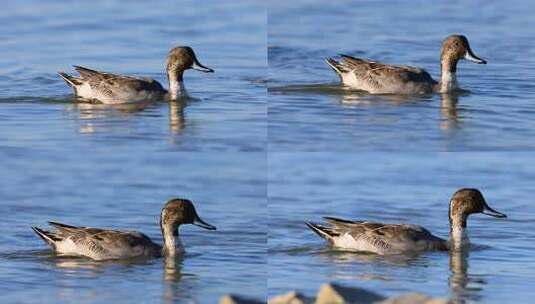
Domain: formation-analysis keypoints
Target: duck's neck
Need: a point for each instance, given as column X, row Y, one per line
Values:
column 448, row 77
column 171, row 243
column 176, row 86
column 458, row 235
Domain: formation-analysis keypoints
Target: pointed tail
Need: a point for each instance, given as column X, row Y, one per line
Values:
column 70, row 80
column 338, row 67
column 322, row 231
column 48, row 237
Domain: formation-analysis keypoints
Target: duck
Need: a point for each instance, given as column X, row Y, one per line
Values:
column 105, row 244
column 111, row 88
column 386, row 239
column 381, row 78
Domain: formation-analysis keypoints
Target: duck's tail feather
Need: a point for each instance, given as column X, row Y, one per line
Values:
column 72, row 81
column 338, row 67
column 322, row 231
column 47, row 236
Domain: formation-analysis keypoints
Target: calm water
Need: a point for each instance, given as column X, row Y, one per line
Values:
column 309, row 111
column 96, row 165
column 115, row 166
column 38, row 39
column 128, row 192
column 411, row 188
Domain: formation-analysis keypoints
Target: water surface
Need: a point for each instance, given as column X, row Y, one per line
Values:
column 228, row 111
column 309, row 111
column 113, row 191
column 403, row 188
column 115, row 166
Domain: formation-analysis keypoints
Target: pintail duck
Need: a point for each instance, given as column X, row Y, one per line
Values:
column 402, row 238
column 112, row 88
column 380, row 78
column 103, row 244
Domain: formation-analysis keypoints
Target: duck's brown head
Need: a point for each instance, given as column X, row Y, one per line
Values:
column 181, row 58
column 455, row 48
column 467, row 201
column 179, row 211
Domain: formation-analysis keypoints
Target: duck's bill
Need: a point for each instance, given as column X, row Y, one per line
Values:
column 198, row 222
column 199, row 67
column 489, row 211
column 471, row 57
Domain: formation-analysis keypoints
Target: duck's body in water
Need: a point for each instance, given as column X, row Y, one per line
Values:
column 104, row 244
column 111, row 88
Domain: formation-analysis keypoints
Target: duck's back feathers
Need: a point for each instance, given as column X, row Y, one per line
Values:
column 380, row 78
column 98, row 244
column 377, row 237
column 113, row 88
column 89, row 73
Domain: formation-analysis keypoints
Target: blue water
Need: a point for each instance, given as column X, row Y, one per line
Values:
column 410, row 188
column 128, row 192
column 267, row 142
column 40, row 38
column 308, row 110
column 115, row 166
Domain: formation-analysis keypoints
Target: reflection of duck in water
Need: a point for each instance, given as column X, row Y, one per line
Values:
column 176, row 116
column 402, row 238
column 90, row 112
column 449, row 111
column 113, row 88
column 172, row 268
column 93, row 110
column 379, row 78
column 458, row 279
column 102, row 244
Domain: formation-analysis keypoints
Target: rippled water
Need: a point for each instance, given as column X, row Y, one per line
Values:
column 264, row 145
column 411, row 188
column 128, row 192
column 43, row 38
column 309, row 111
column 115, row 166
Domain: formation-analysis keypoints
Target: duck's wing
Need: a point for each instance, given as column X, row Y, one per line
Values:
column 380, row 77
column 108, row 86
column 114, row 244
column 372, row 68
column 405, row 237
column 98, row 244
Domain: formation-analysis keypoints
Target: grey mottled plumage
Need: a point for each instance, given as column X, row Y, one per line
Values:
column 113, row 88
column 380, row 78
column 106, row 244
column 383, row 238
